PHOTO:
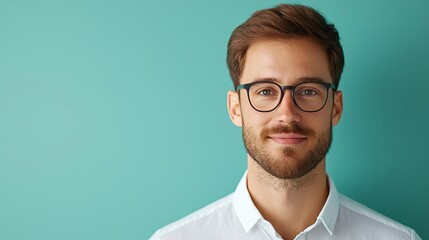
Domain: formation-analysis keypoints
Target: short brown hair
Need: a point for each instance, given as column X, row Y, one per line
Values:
column 284, row 22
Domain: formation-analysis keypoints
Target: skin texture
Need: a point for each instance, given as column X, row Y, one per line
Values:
column 286, row 147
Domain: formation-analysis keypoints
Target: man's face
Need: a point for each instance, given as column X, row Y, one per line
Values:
column 287, row 142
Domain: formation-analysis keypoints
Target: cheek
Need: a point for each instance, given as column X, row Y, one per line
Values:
column 254, row 119
column 317, row 121
column 322, row 118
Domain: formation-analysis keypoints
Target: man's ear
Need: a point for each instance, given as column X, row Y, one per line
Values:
column 337, row 110
column 234, row 109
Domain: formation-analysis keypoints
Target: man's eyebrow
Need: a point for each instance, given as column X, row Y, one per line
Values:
column 267, row 80
column 311, row 79
column 299, row 80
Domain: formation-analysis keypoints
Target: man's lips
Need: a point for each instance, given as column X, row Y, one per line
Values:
column 287, row 138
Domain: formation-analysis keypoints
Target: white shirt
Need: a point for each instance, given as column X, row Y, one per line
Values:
column 236, row 217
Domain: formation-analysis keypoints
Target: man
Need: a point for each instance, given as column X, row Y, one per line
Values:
column 286, row 63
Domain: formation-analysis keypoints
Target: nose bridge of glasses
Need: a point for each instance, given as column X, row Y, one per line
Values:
column 284, row 88
column 285, row 96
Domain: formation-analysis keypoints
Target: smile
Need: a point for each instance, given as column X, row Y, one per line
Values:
column 289, row 139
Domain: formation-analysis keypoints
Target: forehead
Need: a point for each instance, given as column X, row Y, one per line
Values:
column 286, row 61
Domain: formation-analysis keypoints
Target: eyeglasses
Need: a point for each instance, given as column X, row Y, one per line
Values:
column 265, row 96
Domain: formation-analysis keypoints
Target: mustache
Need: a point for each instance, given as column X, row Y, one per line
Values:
column 293, row 128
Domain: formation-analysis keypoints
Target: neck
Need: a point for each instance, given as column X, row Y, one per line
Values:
column 290, row 205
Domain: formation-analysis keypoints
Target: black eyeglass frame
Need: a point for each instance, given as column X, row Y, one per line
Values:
column 247, row 86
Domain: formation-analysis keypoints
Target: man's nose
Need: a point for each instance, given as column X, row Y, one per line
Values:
column 287, row 111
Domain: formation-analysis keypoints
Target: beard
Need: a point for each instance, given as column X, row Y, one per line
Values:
column 290, row 162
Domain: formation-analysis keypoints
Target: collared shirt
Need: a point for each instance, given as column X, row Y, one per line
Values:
column 236, row 217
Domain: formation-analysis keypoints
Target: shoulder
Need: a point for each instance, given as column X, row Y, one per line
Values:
column 358, row 218
column 207, row 216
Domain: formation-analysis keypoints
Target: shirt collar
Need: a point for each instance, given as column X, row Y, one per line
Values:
column 249, row 215
column 246, row 211
column 329, row 213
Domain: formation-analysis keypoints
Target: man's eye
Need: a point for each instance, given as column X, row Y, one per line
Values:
column 266, row 92
column 308, row 92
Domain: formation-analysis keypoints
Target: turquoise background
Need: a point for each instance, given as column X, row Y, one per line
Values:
column 113, row 117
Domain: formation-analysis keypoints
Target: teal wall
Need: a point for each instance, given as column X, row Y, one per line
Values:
column 113, row 117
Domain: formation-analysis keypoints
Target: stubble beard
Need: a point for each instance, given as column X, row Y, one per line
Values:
column 290, row 163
